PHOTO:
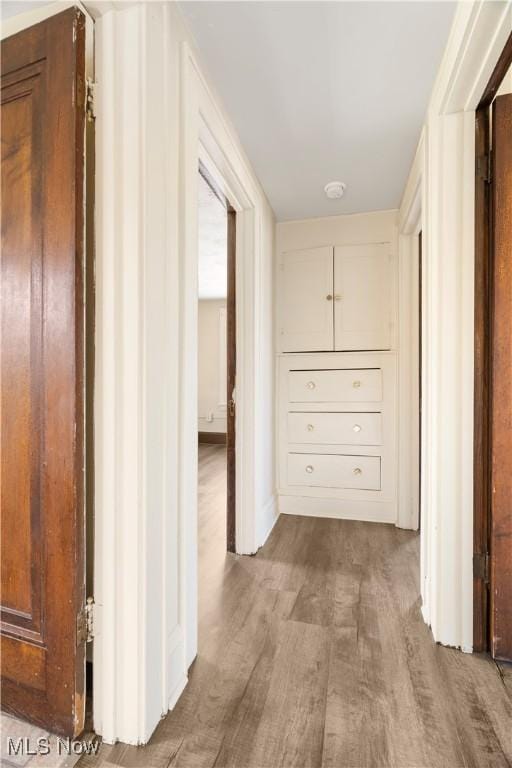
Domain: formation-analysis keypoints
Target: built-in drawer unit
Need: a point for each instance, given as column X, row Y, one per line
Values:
column 334, row 428
column 337, row 435
column 358, row 385
column 334, row 471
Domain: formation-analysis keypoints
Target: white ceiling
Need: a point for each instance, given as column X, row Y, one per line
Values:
column 213, row 244
column 10, row 8
column 322, row 91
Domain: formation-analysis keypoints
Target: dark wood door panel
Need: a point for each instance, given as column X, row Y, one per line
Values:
column 501, row 423
column 21, row 372
column 42, row 372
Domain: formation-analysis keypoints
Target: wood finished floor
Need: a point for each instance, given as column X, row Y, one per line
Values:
column 313, row 653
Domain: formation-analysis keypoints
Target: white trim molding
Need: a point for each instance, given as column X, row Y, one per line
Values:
column 410, row 224
column 446, row 174
column 156, row 116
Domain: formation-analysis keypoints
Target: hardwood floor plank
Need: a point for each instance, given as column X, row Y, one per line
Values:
column 315, row 600
column 314, row 653
column 290, row 732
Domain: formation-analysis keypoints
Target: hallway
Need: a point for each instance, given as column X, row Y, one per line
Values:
column 314, row 653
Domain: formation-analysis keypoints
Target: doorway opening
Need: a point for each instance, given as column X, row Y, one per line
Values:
column 216, row 367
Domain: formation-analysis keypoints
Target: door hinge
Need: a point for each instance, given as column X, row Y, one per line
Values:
column 90, row 99
column 481, row 566
column 484, row 167
column 85, row 623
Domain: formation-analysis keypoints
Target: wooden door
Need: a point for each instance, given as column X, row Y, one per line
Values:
column 501, row 423
column 306, row 301
column 231, row 384
column 42, row 373
column 363, row 293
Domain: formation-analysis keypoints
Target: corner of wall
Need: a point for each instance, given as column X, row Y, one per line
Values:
column 266, row 521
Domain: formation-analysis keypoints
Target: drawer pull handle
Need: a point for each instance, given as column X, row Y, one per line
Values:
column 337, row 297
column 356, row 428
column 311, row 385
column 356, row 384
column 311, row 427
column 358, row 471
column 310, row 468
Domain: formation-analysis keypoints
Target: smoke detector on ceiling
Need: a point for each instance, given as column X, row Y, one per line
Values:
column 335, row 189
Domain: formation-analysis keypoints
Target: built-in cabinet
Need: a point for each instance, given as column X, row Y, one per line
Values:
column 337, row 382
column 337, row 298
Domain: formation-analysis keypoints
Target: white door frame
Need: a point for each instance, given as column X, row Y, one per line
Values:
column 445, row 169
column 208, row 138
column 156, row 119
column 409, row 226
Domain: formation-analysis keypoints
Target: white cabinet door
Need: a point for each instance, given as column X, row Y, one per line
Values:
column 306, row 301
column 364, row 297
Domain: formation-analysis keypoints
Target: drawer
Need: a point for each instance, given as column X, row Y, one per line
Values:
column 330, row 471
column 347, row 385
column 335, row 428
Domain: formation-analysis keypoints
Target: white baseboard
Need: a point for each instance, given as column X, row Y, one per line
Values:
column 267, row 520
column 175, row 655
column 366, row 511
column 178, row 690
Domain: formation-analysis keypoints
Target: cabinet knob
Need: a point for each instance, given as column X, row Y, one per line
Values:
column 329, row 297
column 309, row 468
column 356, row 384
column 356, row 428
column 311, row 385
column 311, row 427
column 358, row 471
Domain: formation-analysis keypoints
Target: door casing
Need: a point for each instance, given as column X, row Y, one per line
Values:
column 230, row 357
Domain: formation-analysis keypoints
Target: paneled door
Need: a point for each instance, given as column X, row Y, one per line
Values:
column 363, row 297
column 501, row 377
column 306, row 311
column 42, row 373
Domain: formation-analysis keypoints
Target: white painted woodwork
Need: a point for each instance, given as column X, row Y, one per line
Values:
column 345, row 505
column 337, row 298
column 335, row 409
column 155, row 115
column 335, row 386
column 444, row 172
column 363, row 296
column 332, row 428
column 306, row 311
column 411, row 224
column 334, row 471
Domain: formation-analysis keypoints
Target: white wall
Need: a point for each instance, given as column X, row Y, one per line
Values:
column 212, row 366
column 506, row 85
column 377, row 226
column 153, row 102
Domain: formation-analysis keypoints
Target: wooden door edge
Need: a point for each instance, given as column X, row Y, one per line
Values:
column 482, row 354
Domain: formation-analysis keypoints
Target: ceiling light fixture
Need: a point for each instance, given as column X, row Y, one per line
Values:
column 335, row 189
